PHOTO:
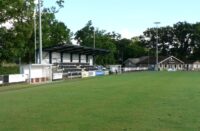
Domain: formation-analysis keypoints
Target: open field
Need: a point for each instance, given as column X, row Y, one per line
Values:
column 145, row 101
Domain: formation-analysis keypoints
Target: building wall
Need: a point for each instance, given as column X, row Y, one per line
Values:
column 66, row 58
column 45, row 58
column 36, row 71
column 75, row 58
column 90, row 60
column 171, row 66
column 56, row 57
column 192, row 67
column 83, row 58
column 129, row 64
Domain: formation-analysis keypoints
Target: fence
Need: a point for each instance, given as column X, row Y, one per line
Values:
column 13, row 78
column 129, row 69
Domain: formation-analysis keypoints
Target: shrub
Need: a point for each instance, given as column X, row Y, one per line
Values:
column 9, row 70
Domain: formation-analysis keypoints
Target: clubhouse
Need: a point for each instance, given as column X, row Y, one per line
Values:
column 164, row 63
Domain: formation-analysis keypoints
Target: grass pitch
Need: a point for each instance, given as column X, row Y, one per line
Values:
column 144, row 101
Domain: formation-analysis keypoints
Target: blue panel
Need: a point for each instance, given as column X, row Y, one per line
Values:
column 99, row 73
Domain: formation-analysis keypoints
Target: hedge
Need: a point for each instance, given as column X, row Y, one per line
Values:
column 9, row 70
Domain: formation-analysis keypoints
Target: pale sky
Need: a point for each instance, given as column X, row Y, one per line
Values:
column 127, row 17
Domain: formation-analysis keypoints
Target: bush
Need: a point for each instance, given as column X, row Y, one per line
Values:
column 9, row 70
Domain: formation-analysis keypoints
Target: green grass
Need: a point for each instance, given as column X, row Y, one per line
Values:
column 145, row 101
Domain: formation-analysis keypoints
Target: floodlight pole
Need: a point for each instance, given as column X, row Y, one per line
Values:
column 40, row 31
column 157, row 23
column 35, row 34
column 94, row 39
column 94, row 61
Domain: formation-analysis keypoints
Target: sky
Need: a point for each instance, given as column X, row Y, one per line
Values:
column 127, row 17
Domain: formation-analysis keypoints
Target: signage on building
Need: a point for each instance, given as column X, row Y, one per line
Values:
column 171, row 61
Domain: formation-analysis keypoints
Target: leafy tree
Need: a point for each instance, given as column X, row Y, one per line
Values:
column 103, row 40
column 21, row 25
column 183, row 39
column 122, row 46
column 9, row 9
column 18, row 41
column 6, row 45
column 196, row 42
column 127, row 48
column 85, row 36
column 54, row 32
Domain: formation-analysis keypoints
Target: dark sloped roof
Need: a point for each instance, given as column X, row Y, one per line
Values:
column 150, row 60
column 136, row 60
column 66, row 48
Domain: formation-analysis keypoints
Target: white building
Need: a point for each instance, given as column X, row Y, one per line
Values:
column 146, row 62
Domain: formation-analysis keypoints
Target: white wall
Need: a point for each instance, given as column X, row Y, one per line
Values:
column 45, row 58
column 17, row 78
column 1, row 79
column 75, row 58
column 57, row 76
column 196, row 66
column 90, row 60
column 37, row 71
column 66, row 58
column 56, row 58
column 83, row 58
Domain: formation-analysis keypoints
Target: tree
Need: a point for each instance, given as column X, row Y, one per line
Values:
column 20, row 37
column 19, row 14
column 103, row 40
column 122, row 46
column 6, row 45
column 54, row 32
column 127, row 48
column 183, row 39
column 85, row 36
column 196, row 42
column 9, row 9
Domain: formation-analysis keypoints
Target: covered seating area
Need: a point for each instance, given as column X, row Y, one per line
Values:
column 71, row 60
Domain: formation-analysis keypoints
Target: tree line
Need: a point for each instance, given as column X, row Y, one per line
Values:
column 181, row 40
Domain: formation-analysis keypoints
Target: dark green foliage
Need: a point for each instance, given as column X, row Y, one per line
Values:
column 54, row 32
column 18, row 40
column 85, row 36
column 9, row 70
column 104, row 40
column 129, row 49
column 182, row 40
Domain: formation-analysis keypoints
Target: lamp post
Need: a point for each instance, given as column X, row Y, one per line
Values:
column 156, row 23
column 94, row 39
column 35, row 34
column 40, row 31
column 94, row 46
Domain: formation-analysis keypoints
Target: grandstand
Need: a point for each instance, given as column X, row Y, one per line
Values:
column 58, row 62
column 71, row 60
